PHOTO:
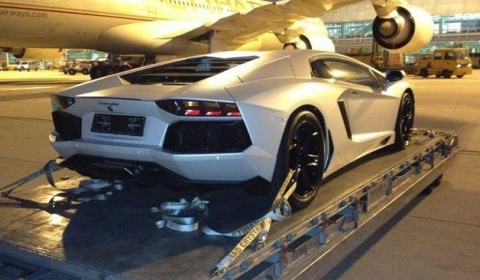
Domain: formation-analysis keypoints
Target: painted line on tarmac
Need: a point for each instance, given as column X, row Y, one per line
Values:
column 18, row 88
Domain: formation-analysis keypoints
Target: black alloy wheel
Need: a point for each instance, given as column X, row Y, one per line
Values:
column 404, row 124
column 302, row 149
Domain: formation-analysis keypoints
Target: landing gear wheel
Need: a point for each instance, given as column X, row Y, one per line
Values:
column 302, row 148
column 404, row 124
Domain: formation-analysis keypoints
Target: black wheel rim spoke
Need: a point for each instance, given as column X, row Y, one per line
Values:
column 306, row 154
column 407, row 118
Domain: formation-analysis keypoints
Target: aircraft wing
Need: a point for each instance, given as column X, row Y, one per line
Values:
column 398, row 26
column 242, row 27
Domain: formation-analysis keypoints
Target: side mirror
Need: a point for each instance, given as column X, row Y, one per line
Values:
column 395, row 75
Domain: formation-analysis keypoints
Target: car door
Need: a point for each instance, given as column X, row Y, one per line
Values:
column 366, row 110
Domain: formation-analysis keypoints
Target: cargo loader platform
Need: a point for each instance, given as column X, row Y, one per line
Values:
column 116, row 238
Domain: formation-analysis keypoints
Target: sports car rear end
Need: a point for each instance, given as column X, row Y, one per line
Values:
column 157, row 124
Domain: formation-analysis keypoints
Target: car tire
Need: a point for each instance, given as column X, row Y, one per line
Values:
column 424, row 73
column 404, row 123
column 85, row 71
column 97, row 72
column 302, row 147
column 447, row 74
column 72, row 72
column 109, row 70
column 459, row 76
column 124, row 68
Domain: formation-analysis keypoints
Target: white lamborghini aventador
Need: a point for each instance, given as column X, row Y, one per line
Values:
column 233, row 118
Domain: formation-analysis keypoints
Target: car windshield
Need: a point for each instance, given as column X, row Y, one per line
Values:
column 185, row 71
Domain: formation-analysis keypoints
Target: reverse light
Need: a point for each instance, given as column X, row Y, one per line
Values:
column 199, row 108
column 62, row 102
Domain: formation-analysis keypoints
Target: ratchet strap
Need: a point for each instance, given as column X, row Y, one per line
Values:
column 180, row 216
column 185, row 216
column 89, row 189
column 50, row 167
column 260, row 228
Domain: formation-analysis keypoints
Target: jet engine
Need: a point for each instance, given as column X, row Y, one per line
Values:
column 34, row 53
column 312, row 43
column 309, row 33
column 410, row 29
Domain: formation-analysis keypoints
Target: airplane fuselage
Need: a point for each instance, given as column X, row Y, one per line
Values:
column 81, row 24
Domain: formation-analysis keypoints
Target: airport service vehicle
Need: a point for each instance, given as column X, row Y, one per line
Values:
column 78, row 67
column 445, row 62
column 242, row 118
column 86, row 237
column 27, row 66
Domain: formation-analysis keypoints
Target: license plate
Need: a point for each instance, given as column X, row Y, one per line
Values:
column 118, row 124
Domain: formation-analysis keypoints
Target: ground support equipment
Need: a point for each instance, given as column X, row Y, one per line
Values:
column 117, row 239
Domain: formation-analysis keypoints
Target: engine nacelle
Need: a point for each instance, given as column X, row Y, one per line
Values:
column 309, row 33
column 410, row 30
column 17, row 52
column 34, row 53
column 321, row 43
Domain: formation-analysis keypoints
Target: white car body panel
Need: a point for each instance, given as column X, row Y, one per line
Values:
column 267, row 91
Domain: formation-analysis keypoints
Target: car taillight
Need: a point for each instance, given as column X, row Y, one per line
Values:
column 62, row 102
column 199, row 108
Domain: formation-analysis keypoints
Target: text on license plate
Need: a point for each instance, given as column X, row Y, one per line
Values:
column 118, row 124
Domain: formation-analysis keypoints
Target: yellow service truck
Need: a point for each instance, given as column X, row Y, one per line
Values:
column 445, row 62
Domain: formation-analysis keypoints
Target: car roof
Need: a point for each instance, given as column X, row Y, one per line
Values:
column 253, row 65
